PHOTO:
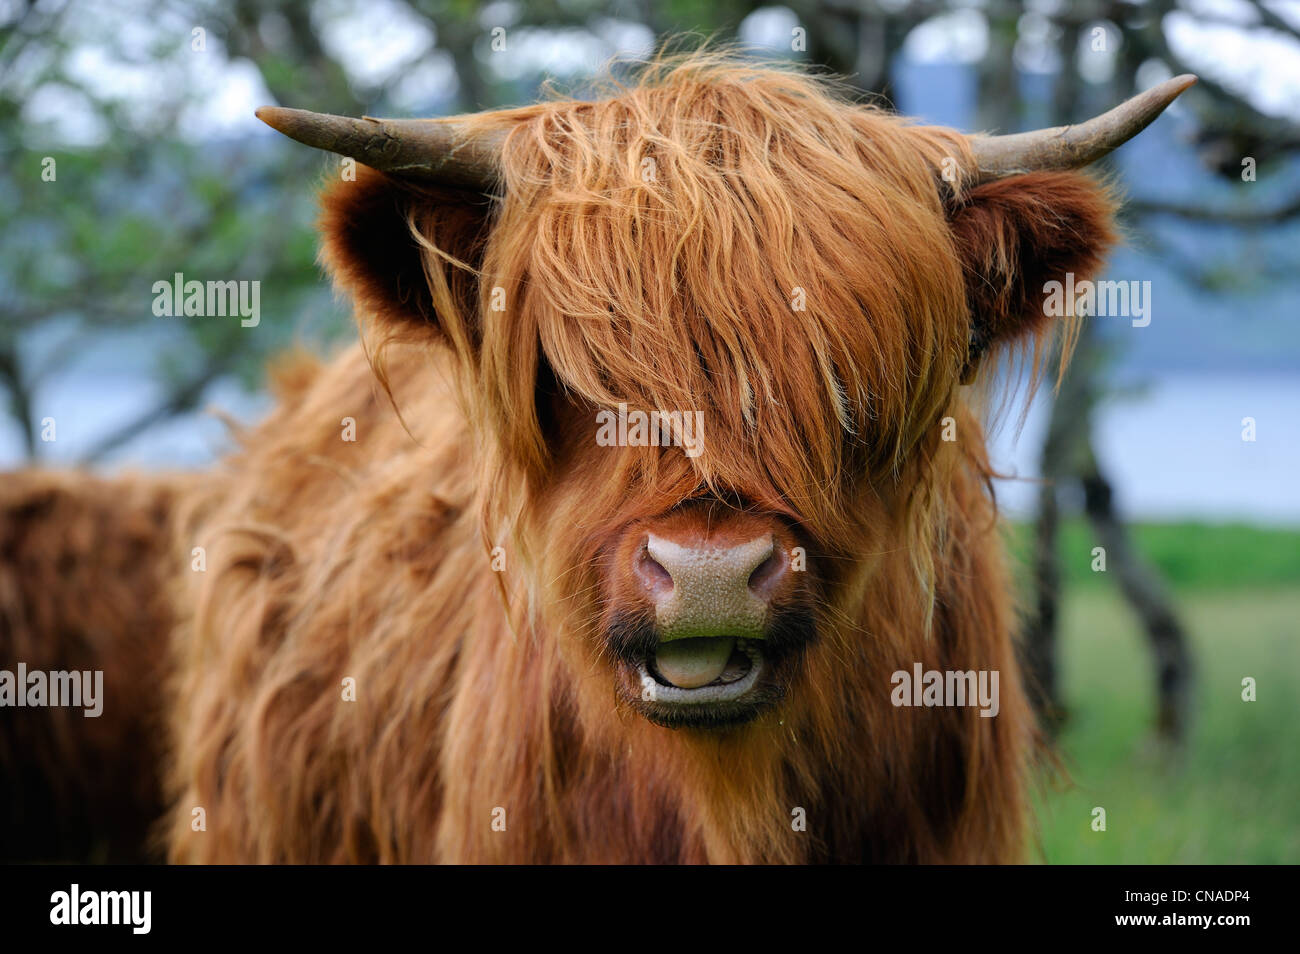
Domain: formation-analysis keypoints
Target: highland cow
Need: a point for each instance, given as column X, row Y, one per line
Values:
column 440, row 621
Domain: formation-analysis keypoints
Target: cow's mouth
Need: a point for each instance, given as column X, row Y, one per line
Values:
column 701, row 671
column 701, row 682
column 706, row 681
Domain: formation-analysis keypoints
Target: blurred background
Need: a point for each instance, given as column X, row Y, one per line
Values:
column 129, row 152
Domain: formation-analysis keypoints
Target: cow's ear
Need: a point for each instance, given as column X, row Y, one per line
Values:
column 1014, row 235
column 378, row 234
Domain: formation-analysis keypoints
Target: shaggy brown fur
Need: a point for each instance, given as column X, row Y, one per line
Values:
column 497, row 331
column 83, row 570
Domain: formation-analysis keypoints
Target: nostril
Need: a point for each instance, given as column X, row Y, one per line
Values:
column 657, row 580
column 768, row 573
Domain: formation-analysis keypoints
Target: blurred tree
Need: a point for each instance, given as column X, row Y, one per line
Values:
column 88, row 228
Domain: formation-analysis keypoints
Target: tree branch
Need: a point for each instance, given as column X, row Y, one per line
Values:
column 1239, row 216
column 181, row 399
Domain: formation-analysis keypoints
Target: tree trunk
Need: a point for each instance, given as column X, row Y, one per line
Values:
column 1068, row 456
column 1040, row 640
column 1146, row 594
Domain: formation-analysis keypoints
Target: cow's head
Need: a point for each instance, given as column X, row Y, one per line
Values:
column 708, row 329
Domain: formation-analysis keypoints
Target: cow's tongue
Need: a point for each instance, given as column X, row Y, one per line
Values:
column 691, row 663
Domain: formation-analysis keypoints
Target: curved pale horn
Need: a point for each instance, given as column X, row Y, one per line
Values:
column 431, row 150
column 1071, row 147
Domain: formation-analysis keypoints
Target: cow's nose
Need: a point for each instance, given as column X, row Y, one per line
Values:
column 708, row 590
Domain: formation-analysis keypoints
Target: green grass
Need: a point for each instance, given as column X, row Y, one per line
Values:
column 1204, row 556
column 1234, row 796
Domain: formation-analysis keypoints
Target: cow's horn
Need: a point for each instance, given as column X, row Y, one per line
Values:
column 1071, row 147
column 442, row 151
